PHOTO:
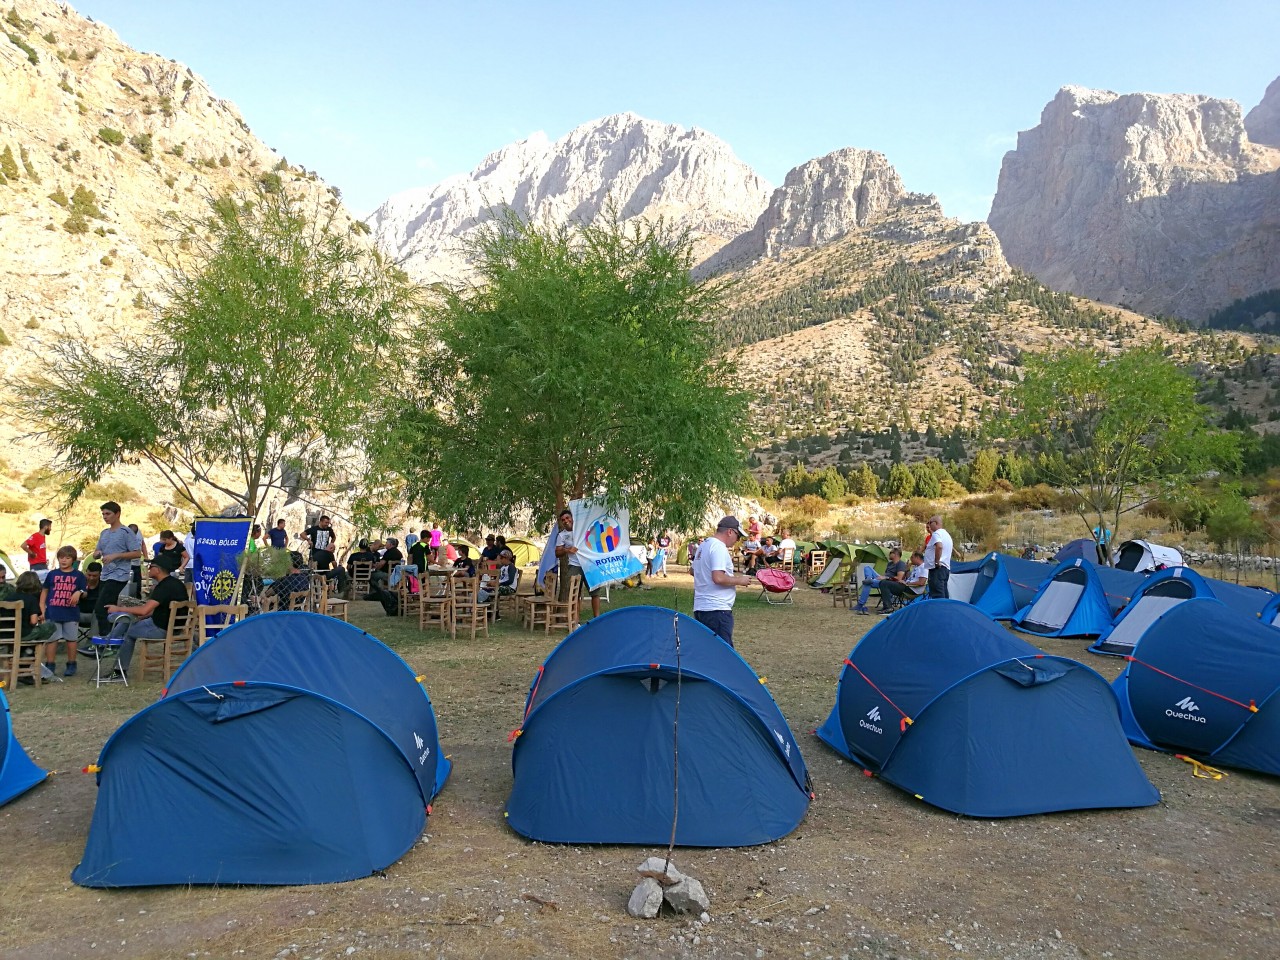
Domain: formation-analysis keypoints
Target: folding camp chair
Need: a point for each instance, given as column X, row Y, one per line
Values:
column 104, row 647
column 777, row 585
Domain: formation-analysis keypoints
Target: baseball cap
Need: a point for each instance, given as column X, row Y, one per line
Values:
column 729, row 523
column 165, row 561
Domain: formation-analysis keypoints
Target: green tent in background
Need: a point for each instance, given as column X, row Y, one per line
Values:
column 472, row 549
column 871, row 553
column 527, row 552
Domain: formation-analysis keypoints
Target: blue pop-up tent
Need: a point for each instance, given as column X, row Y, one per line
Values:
column 595, row 757
column 998, row 584
column 1078, row 599
column 944, row 703
column 1270, row 614
column 18, row 773
column 1163, row 590
column 293, row 748
column 1205, row 680
column 1081, row 549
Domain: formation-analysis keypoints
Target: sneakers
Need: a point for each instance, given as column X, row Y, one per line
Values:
column 69, row 670
column 862, row 609
column 48, row 674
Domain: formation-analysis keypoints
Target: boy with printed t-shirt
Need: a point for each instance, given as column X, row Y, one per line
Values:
column 64, row 588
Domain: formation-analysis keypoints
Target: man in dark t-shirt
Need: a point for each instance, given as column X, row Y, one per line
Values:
column 149, row 620
column 323, row 543
column 278, row 536
column 382, row 570
column 419, row 552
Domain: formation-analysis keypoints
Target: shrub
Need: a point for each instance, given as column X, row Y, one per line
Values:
column 4, row 339
column 110, row 136
column 271, row 183
column 918, row 508
column 1040, row 497
column 13, row 505
column 813, row 506
column 975, row 525
column 25, row 47
column 142, row 143
column 8, row 163
column 910, row 535
column 76, row 223
column 38, row 478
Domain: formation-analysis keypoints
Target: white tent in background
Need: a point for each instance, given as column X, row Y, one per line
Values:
column 1143, row 556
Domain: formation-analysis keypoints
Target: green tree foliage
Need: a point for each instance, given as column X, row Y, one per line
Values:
column 1009, row 469
column 900, row 484
column 927, row 482
column 581, row 364
column 1232, row 523
column 982, row 472
column 1115, row 431
column 864, row 482
column 263, row 363
column 110, row 135
column 8, row 163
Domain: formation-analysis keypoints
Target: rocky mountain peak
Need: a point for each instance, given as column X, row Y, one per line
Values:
column 1263, row 121
column 639, row 167
column 819, row 201
column 1154, row 201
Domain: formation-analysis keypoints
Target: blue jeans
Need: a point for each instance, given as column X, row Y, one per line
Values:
column 719, row 622
column 126, row 628
column 869, row 580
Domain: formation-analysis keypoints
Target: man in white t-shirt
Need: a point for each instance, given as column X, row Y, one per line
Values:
column 937, row 557
column 714, row 580
column 570, row 565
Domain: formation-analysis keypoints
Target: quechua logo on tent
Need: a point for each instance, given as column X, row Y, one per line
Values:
column 1186, row 710
column 873, row 715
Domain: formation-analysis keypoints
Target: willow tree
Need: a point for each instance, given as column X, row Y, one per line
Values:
column 258, row 371
column 1117, row 431
column 580, row 363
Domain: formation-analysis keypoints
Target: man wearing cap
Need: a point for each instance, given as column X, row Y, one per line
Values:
column 149, row 620
column 714, row 580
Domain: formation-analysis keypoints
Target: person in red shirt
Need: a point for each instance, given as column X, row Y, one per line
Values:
column 37, row 547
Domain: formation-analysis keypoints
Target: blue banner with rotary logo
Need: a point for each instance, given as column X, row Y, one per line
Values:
column 216, row 564
column 600, row 533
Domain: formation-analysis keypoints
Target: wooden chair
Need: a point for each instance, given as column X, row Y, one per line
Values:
column 268, row 603
column 510, row 602
column 787, row 559
column 817, row 562
column 298, row 600
column 490, row 569
column 533, row 607
column 410, row 600
column 435, row 604
column 844, row 588
column 174, row 647
column 319, row 601
column 564, row 614
column 16, row 658
column 468, row 612
column 360, row 572
column 213, row 618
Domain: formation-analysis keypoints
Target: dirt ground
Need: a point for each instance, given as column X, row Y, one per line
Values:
column 871, row 872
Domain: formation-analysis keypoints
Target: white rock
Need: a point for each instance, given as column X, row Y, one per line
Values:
column 656, row 864
column 687, row 896
column 646, row 899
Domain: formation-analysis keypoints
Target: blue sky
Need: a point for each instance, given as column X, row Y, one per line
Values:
column 386, row 95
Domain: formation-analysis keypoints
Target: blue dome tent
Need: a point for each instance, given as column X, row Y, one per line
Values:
column 292, row 748
column 1083, row 549
column 947, row 705
column 1270, row 614
column 1078, row 599
column 1205, row 680
column 998, row 584
column 18, row 773
column 1162, row 591
column 593, row 760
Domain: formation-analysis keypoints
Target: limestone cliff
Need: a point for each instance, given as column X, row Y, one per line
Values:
column 819, row 201
column 1263, row 121
column 1157, row 202
column 640, row 167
